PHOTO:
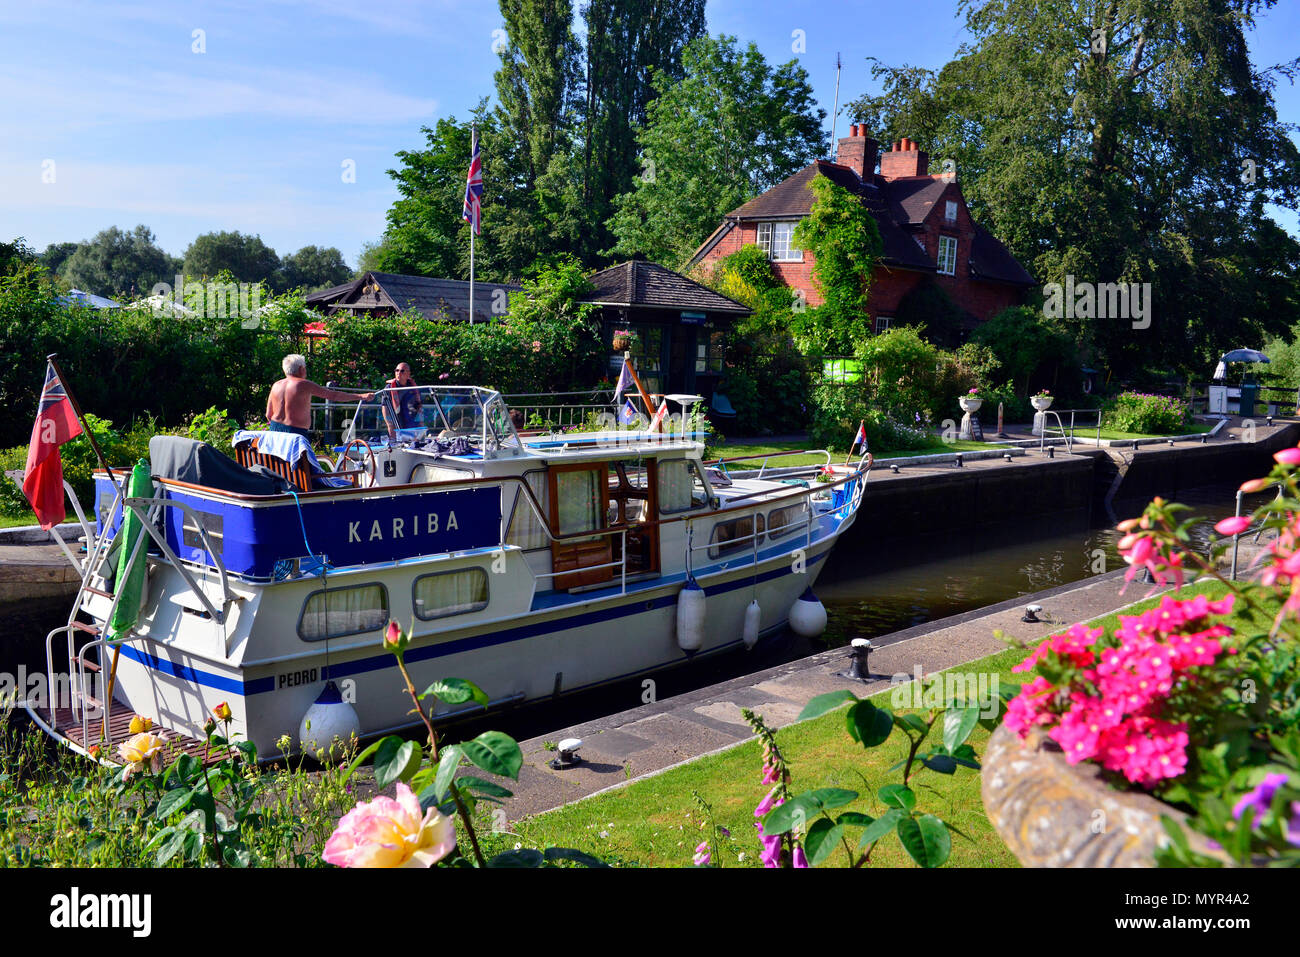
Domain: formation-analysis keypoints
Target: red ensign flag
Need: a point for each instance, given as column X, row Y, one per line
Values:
column 56, row 422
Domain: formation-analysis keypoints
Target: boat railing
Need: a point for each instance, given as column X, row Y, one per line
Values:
column 722, row 463
column 548, row 411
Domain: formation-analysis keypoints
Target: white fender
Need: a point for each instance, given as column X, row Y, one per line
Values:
column 329, row 717
column 752, row 617
column 690, row 617
column 808, row 615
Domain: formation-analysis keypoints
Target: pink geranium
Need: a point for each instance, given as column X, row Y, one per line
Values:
column 388, row 832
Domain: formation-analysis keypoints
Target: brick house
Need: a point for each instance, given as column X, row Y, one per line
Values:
column 925, row 228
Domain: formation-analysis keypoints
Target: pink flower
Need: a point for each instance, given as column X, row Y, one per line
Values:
column 445, row 375
column 702, row 854
column 1254, row 485
column 1233, row 526
column 388, row 832
column 800, row 859
column 1287, row 457
column 394, row 639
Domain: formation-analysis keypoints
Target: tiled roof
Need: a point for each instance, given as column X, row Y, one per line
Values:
column 639, row 283
column 992, row 261
column 435, row 298
column 897, row 205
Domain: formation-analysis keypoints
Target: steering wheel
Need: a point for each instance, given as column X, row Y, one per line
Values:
column 371, row 466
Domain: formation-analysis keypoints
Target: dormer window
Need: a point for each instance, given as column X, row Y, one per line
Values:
column 777, row 240
column 950, row 211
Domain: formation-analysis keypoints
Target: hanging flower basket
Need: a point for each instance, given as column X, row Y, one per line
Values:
column 623, row 339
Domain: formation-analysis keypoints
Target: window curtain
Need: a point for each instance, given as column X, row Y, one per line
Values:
column 451, row 593
column 580, row 501
column 675, row 481
column 344, row 611
column 526, row 529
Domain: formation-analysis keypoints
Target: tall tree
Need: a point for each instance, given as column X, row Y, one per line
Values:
column 312, row 268
column 246, row 256
column 731, row 128
column 1124, row 141
column 119, row 263
column 629, row 45
column 56, row 254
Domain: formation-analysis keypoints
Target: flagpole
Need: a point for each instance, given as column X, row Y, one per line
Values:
column 52, row 359
column 861, row 425
column 472, row 230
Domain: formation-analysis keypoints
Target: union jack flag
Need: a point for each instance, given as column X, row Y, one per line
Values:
column 474, row 190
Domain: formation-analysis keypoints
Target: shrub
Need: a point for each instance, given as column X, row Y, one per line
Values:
column 1147, row 414
column 841, row 408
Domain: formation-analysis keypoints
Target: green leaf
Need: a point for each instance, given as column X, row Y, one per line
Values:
column 171, row 802
column 236, row 856
column 524, row 857
column 880, row 827
column 447, row 765
column 396, row 760
column 456, row 691
column 897, row 795
column 569, row 854
column 855, row 819
column 804, row 807
column 823, row 837
column 496, row 753
column 869, row 725
column 943, row 763
column 911, row 722
column 360, row 758
column 925, row 839
column 171, row 847
column 823, row 703
column 487, row 788
column 958, row 723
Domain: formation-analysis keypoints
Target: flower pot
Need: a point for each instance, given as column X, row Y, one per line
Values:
column 1051, row 813
column 1041, row 402
column 970, row 403
column 622, row 343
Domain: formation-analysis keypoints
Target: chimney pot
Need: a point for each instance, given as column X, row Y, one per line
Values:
column 853, row 129
column 907, row 145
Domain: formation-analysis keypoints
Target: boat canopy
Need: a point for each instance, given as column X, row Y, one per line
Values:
column 477, row 415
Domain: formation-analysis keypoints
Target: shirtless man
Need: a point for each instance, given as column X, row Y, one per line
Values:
column 288, row 408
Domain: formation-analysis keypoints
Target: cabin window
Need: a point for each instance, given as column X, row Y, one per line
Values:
column 580, row 500
column 343, row 611
column 526, row 528
column 681, row 487
column 212, row 524
column 735, row 535
column 443, row 594
column 783, row 521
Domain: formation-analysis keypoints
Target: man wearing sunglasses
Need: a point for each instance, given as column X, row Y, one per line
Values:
column 403, row 408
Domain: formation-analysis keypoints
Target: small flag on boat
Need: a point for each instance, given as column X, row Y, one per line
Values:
column 56, row 423
column 624, row 381
column 627, row 414
column 860, row 438
column 659, row 416
column 474, row 190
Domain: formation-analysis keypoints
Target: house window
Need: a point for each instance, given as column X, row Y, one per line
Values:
column 920, row 241
column 882, row 324
column 709, row 353
column 947, row 255
column 776, row 239
column 950, row 211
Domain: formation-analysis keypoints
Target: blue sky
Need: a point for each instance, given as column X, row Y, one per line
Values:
column 254, row 132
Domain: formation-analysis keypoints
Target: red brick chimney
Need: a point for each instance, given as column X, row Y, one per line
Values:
column 858, row 152
column 905, row 159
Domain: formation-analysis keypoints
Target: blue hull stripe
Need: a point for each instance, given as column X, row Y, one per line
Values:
column 443, row 649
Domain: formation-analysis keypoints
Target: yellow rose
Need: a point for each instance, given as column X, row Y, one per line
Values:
column 141, row 749
column 139, row 724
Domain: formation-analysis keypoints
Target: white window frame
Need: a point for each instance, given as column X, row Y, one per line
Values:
column 950, row 211
column 778, row 244
column 882, row 324
column 947, row 255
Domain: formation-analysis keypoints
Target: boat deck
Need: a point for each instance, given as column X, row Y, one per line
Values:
column 119, row 730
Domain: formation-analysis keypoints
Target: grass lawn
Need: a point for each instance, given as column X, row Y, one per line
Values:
column 656, row 822
column 785, row 461
column 1196, row 428
column 7, row 521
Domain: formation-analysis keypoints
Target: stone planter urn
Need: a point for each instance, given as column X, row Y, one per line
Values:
column 1041, row 404
column 970, row 404
column 1051, row 813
